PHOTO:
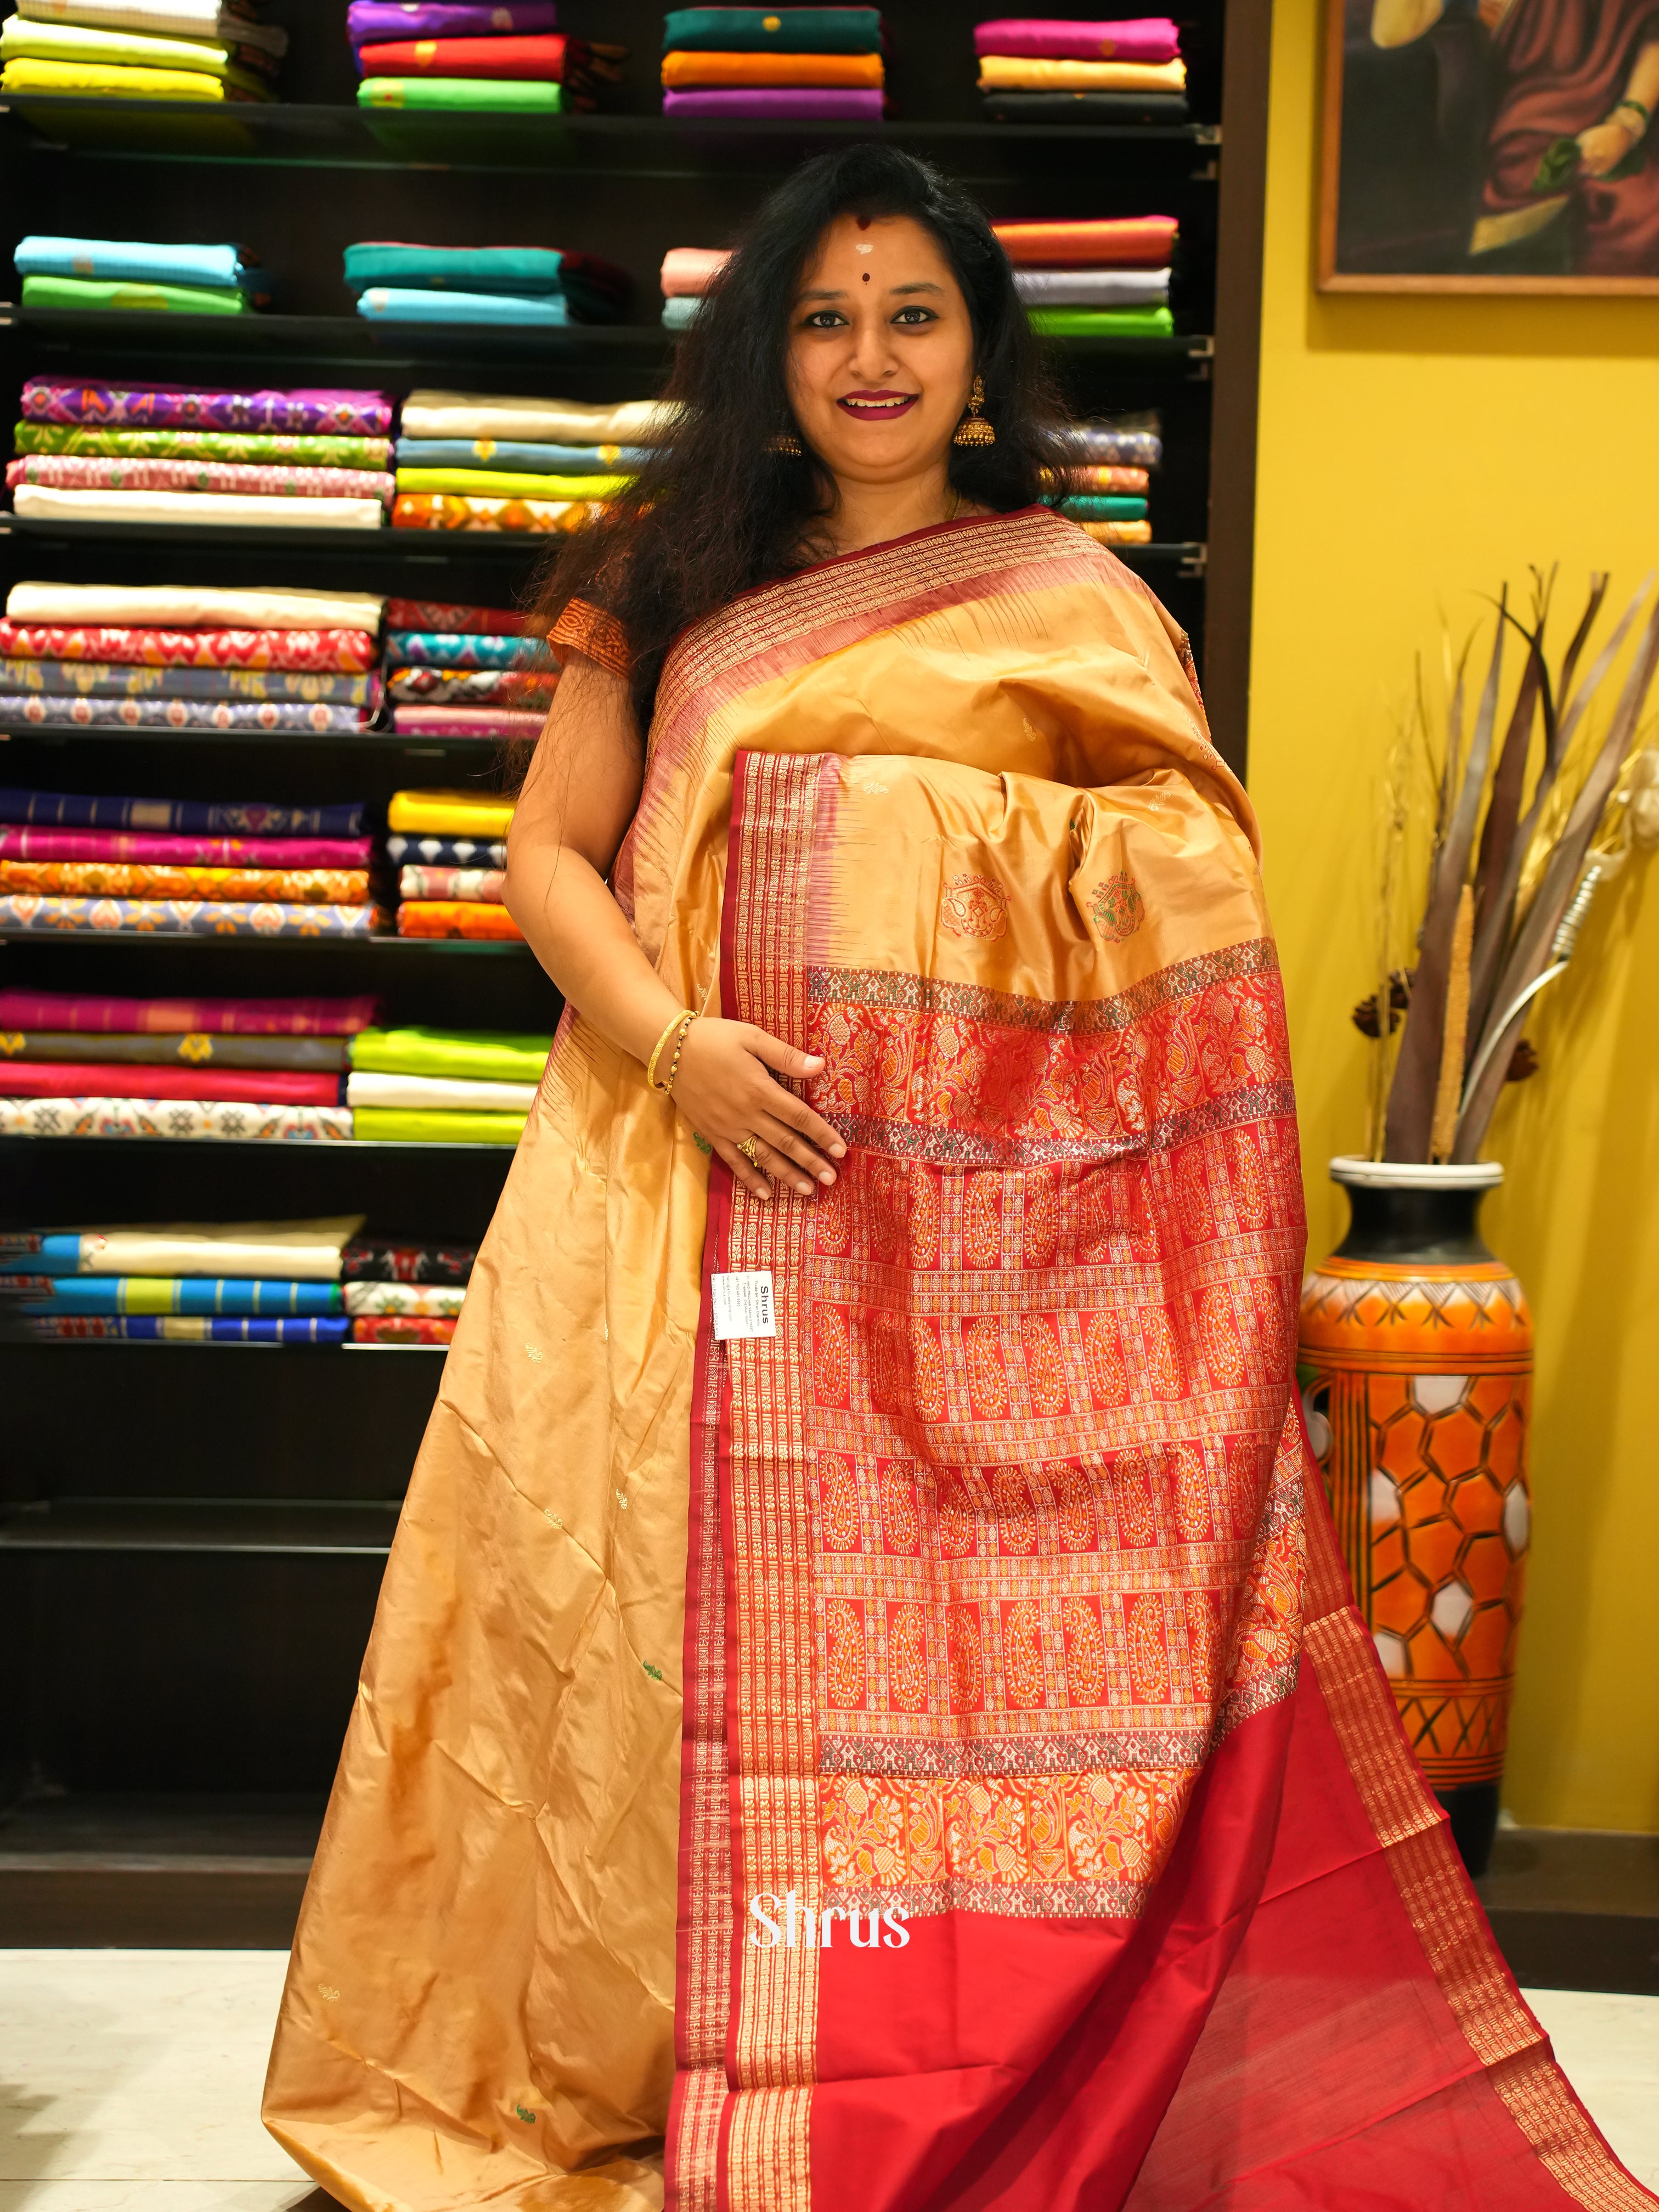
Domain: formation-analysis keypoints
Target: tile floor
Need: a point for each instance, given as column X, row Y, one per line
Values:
column 129, row 2081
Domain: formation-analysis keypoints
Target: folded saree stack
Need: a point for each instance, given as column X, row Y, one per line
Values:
column 164, row 50
column 1094, row 279
column 774, row 65
column 506, row 59
column 455, row 671
column 261, row 1282
column 182, row 868
column 449, row 848
column 473, row 461
column 521, row 287
column 160, row 656
column 435, row 1086
column 1107, row 490
column 1035, row 69
column 687, row 273
column 304, row 459
column 118, row 275
column 76, row 1064
column 401, row 1290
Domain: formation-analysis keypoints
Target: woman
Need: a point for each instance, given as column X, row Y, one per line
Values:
column 841, row 1761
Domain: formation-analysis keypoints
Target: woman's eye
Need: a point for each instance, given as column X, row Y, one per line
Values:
column 914, row 315
column 824, row 319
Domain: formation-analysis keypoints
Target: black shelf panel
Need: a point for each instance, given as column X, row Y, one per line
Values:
column 189, row 1524
column 504, row 546
column 653, row 145
column 56, row 733
column 386, row 347
column 153, row 937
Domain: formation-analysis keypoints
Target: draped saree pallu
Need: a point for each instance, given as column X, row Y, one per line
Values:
column 975, row 1648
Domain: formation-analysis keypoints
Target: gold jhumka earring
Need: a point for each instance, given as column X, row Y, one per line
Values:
column 784, row 442
column 974, row 429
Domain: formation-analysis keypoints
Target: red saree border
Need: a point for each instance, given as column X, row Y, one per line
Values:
column 1445, row 1914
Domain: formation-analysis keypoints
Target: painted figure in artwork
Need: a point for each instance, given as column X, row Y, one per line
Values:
column 1574, row 86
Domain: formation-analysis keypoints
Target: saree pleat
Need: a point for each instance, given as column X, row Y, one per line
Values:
column 981, row 1634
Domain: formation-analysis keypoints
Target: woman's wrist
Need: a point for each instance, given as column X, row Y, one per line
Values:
column 1633, row 116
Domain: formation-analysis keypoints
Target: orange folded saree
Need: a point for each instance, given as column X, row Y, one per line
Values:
column 925, row 1759
column 683, row 69
column 1136, row 241
column 476, row 918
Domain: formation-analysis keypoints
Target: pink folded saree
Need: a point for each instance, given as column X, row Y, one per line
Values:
column 1142, row 38
column 775, row 104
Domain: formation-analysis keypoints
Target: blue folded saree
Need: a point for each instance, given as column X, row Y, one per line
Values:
column 529, row 271
column 221, row 268
column 394, row 303
column 519, row 458
column 422, row 648
column 187, row 1294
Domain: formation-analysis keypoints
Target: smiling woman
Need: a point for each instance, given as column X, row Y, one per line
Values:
column 867, row 1484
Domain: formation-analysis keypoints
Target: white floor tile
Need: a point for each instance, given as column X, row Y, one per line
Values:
column 1608, row 2047
column 129, row 2081
column 130, row 2066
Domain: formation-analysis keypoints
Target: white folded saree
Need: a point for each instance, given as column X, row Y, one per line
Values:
column 36, row 503
column 366, row 1088
column 191, row 607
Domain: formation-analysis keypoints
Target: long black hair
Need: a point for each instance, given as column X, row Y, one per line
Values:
column 718, row 508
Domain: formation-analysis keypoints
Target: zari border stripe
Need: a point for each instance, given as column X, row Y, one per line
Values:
column 766, row 1526
column 706, row 1917
column 1443, row 1908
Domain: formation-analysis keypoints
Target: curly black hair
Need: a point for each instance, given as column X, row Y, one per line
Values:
column 718, row 508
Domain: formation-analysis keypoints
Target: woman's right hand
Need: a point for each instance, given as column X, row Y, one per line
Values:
column 725, row 1090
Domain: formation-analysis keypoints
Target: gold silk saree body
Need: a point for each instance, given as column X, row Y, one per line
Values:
column 926, row 1760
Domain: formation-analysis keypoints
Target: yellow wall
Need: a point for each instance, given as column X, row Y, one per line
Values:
column 1414, row 453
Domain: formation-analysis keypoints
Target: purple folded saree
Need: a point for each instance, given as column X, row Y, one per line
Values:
column 1036, row 38
column 311, row 411
column 777, row 103
column 368, row 22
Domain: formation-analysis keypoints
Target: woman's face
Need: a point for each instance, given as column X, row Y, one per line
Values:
column 881, row 351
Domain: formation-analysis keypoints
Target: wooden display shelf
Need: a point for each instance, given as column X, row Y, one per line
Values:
column 476, row 947
column 655, row 146
column 407, row 741
column 325, row 1526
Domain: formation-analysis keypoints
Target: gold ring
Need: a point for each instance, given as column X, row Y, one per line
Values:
column 750, row 1152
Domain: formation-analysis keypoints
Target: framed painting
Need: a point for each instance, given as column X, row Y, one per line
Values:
column 1490, row 146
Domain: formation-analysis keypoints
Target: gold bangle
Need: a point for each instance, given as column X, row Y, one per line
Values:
column 676, row 1030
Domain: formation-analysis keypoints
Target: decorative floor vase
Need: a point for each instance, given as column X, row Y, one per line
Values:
column 1415, row 1364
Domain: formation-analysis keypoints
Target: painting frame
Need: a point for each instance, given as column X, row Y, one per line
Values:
column 1468, row 284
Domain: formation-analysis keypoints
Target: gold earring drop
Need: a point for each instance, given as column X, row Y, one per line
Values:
column 784, row 442
column 974, row 429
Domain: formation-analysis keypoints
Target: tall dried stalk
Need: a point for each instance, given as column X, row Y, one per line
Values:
column 1500, row 918
column 1394, row 818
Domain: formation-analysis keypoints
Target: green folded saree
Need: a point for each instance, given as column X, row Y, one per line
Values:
column 503, row 484
column 76, row 44
column 486, row 1056
column 295, row 446
column 435, row 1125
column 1103, row 322
column 92, row 292
column 481, row 95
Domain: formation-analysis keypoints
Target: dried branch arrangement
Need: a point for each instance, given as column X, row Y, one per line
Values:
column 1512, row 871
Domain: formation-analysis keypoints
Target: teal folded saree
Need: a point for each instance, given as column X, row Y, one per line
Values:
column 779, row 31
column 528, row 271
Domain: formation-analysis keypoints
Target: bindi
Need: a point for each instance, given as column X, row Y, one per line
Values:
column 866, row 276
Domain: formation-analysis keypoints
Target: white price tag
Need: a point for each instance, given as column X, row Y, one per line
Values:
column 742, row 1304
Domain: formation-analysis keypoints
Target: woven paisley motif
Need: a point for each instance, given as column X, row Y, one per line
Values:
column 838, row 1504
column 973, row 906
column 1023, row 1685
column 982, row 1229
column 1192, row 1494
column 1074, row 1495
column 1041, row 1223
column 1086, row 1651
column 1117, row 906
column 1103, row 1357
column 958, row 1522
column 1149, row 1657
column 830, row 1354
column 844, row 1630
column 1133, row 1505
column 901, row 1527
column 907, row 1658
column 1016, row 1518
column 966, row 1656
column 1045, row 1369
column 987, row 1380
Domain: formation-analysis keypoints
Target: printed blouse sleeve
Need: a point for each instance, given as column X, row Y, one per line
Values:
column 588, row 631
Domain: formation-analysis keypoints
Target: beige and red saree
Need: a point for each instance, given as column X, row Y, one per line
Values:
column 925, row 1759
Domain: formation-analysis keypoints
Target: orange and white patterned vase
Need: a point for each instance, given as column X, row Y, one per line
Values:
column 1415, row 1362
